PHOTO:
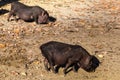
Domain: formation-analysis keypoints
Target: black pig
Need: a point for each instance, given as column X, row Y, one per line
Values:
column 67, row 55
column 28, row 13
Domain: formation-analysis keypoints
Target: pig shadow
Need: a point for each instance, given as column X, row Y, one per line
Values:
column 5, row 2
column 3, row 11
column 52, row 19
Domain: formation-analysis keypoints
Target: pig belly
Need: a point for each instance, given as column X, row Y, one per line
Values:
column 60, row 60
column 26, row 17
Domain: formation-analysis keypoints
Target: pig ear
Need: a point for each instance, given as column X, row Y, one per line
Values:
column 91, row 59
column 87, row 61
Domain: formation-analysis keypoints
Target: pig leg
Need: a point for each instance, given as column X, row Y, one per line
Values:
column 46, row 64
column 15, row 18
column 70, row 62
column 51, row 65
column 10, row 14
column 57, row 68
column 75, row 67
column 36, row 18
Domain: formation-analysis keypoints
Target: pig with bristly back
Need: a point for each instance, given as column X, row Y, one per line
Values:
column 67, row 55
column 28, row 13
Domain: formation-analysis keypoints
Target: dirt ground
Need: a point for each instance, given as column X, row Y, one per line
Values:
column 93, row 24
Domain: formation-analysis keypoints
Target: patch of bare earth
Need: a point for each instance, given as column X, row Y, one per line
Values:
column 93, row 24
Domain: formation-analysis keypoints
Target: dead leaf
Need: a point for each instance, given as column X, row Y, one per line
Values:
column 16, row 31
column 2, row 45
column 14, row 72
column 1, row 24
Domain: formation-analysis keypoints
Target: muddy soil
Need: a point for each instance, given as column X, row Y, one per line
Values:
column 93, row 24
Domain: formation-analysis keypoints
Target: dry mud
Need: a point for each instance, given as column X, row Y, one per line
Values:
column 93, row 24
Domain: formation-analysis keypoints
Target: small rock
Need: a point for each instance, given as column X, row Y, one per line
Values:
column 1, row 24
column 2, row 45
column 36, row 62
column 45, row 29
column 23, row 73
column 100, row 55
column 16, row 31
column 38, row 29
column 14, row 72
column 88, row 27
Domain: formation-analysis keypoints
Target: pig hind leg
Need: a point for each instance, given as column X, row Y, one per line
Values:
column 52, row 65
column 48, row 61
column 70, row 62
column 46, row 64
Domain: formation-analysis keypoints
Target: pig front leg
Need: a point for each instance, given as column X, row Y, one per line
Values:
column 46, row 64
column 75, row 67
column 36, row 19
column 12, row 14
